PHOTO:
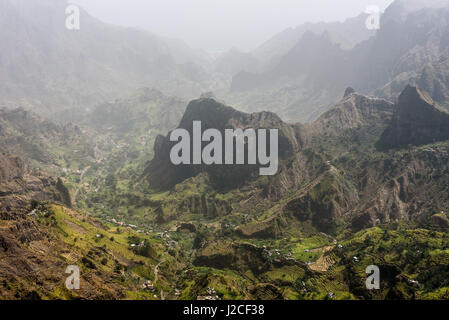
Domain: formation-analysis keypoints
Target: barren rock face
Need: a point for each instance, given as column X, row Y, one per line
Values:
column 163, row 175
column 417, row 121
column 18, row 186
column 10, row 168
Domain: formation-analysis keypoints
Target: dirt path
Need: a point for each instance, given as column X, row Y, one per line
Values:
column 156, row 272
column 75, row 195
column 156, row 268
column 162, row 295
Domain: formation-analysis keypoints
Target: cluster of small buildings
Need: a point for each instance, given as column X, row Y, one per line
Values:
column 126, row 225
column 122, row 145
column 230, row 225
column 429, row 150
column 332, row 295
column 413, row 283
column 171, row 244
column 276, row 253
column 164, row 235
column 167, row 241
column 211, row 295
column 148, row 285
column 68, row 170
column 304, row 287
column 133, row 245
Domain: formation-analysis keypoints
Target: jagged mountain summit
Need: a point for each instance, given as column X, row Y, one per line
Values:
column 411, row 43
column 162, row 174
column 417, row 120
column 329, row 170
column 353, row 111
column 347, row 33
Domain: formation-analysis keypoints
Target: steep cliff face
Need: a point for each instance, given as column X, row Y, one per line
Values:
column 353, row 111
column 11, row 167
column 20, row 186
column 163, row 175
column 417, row 120
column 329, row 195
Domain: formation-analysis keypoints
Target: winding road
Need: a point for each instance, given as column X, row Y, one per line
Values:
column 156, row 268
column 80, row 183
column 156, row 272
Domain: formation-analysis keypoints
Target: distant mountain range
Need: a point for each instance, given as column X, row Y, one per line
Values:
column 311, row 75
column 298, row 73
column 47, row 68
column 347, row 34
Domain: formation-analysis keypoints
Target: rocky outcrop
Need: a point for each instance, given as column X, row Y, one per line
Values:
column 64, row 192
column 163, row 175
column 19, row 187
column 201, row 204
column 236, row 256
column 11, row 167
column 348, row 92
column 355, row 110
column 186, row 227
column 417, row 120
column 322, row 194
column 264, row 230
column 440, row 221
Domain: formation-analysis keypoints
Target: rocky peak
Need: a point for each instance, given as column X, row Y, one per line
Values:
column 400, row 9
column 209, row 111
column 417, row 120
column 11, row 167
column 19, row 186
column 353, row 111
column 162, row 174
column 214, row 114
column 348, row 92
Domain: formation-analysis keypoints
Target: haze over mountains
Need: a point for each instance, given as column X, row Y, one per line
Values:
column 50, row 68
column 317, row 69
column 298, row 73
column 86, row 176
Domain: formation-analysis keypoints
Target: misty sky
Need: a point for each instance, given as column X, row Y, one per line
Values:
column 216, row 25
